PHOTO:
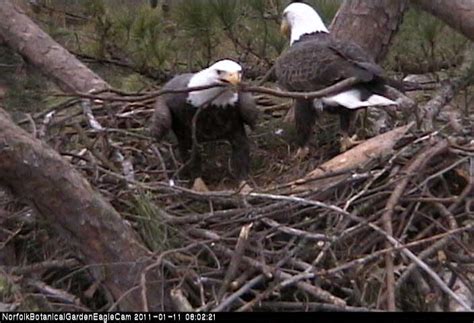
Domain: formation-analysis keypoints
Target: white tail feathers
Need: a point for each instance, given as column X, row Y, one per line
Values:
column 352, row 100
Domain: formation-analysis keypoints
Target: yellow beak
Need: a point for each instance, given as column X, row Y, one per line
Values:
column 285, row 27
column 233, row 78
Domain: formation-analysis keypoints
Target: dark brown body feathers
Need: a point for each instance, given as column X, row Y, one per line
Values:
column 173, row 112
column 317, row 61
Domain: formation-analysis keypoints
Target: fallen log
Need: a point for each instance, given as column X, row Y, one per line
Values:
column 340, row 167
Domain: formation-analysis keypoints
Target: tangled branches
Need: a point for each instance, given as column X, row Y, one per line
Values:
column 389, row 222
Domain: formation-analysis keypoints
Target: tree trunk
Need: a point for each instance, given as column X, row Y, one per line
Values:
column 38, row 174
column 370, row 23
column 24, row 36
column 458, row 14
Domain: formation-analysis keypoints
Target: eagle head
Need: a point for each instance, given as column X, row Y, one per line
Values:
column 300, row 19
column 226, row 71
column 222, row 72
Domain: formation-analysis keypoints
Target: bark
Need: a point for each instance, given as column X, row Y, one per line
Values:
column 38, row 174
column 370, row 23
column 458, row 14
column 37, row 47
column 342, row 166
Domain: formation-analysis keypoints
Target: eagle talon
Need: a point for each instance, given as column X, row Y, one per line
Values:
column 244, row 188
column 302, row 153
column 349, row 142
column 200, row 186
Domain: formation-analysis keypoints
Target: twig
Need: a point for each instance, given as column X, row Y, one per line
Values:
column 43, row 266
column 242, row 290
column 296, row 232
column 235, row 260
column 391, row 239
column 416, row 164
column 180, row 301
column 311, row 306
column 447, row 92
column 314, row 290
column 342, row 85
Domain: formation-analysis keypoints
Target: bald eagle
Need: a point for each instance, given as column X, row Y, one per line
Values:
column 223, row 117
column 316, row 60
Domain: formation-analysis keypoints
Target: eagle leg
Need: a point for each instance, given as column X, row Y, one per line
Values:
column 348, row 142
column 240, row 158
column 244, row 188
column 305, row 116
column 347, row 120
column 302, row 153
column 200, row 186
column 192, row 161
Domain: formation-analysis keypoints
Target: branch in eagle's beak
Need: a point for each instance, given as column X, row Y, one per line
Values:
column 285, row 27
column 233, row 78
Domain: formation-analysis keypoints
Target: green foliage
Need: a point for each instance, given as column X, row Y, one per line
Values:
column 196, row 33
column 227, row 11
column 193, row 18
column 326, row 8
column 152, row 224
column 25, row 92
column 424, row 44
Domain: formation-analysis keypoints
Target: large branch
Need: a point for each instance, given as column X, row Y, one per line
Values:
column 458, row 14
column 370, row 23
column 38, row 174
column 37, row 47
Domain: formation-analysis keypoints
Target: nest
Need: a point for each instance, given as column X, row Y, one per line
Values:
column 388, row 222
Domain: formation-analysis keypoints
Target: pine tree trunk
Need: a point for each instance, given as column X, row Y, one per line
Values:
column 458, row 14
column 370, row 23
column 38, row 175
column 38, row 48
column 60, row 194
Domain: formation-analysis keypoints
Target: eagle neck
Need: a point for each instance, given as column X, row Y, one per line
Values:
column 307, row 26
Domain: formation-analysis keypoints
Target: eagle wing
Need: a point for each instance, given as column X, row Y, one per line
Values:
column 248, row 109
column 161, row 120
column 318, row 61
column 168, row 106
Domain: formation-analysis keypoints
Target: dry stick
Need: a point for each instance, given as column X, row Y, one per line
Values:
column 392, row 202
column 241, row 291
column 392, row 240
column 181, row 302
column 277, row 283
column 157, row 263
column 312, row 306
column 133, row 97
column 90, row 146
column 339, row 86
column 433, row 107
column 267, row 76
column 314, row 290
column 431, row 250
column 56, row 293
column 297, row 232
column 41, row 266
column 342, row 85
column 374, row 255
column 235, row 260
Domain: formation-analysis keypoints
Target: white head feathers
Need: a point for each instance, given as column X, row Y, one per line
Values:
column 302, row 19
column 224, row 71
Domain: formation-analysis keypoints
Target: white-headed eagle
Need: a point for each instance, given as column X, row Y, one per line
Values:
column 223, row 118
column 315, row 60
